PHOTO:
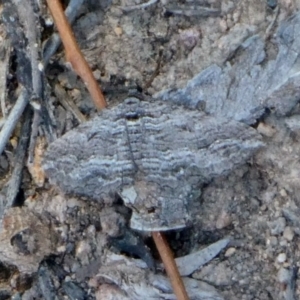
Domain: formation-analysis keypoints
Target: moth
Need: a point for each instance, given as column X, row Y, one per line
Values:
column 156, row 155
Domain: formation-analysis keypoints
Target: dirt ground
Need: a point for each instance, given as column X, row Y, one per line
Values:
column 257, row 206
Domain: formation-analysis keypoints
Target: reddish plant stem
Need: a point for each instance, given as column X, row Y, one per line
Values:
column 73, row 53
column 81, row 67
column 170, row 265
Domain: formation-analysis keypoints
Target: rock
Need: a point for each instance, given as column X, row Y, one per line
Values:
column 217, row 274
column 293, row 123
column 229, row 252
column 283, row 193
column 139, row 283
column 223, row 220
column 287, row 279
column 281, row 258
column 191, row 262
column 272, row 241
column 111, row 221
column 288, row 233
column 265, row 129
column 277, row 226
column 25, row 239
column 256, row 85
column 110, row 292
column 83, row 248
column 283, row 275
column 74, row 291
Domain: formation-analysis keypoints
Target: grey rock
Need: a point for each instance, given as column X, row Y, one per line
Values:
column 244, row 89
column 142, row 284
column 288, row 277
column 16, row 296
column 277, row 226
column 156, row 155
column 46, row 285
column 25, row 239
column 74, row 291
column 217, row 274
column 191, row 262
column 293, row 217
column 293, row 123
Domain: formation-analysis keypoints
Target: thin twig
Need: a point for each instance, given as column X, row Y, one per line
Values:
column 73, row 53
column 170, row 265
column 4, row 65
column 54, row 41
column 272, row 23
column 156, row 71
column 139, row 6
column 29, row 19
column 199, row 11
column 68, row 104
column 34, row 130
column 16, row 176
column 13, row 118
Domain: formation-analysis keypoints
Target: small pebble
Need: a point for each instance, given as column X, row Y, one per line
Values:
column 272, row 3
column 91, row 231
column 230, row 251
column 61, row 249
column 82, row 251
column 283, row 243
column 14, row 142
column 111, row 221
column 97, row 74
column 118, row 31
column 48, row 21
column 288, row 233
column 283, row 193
column 277, row 226
column 189, row 38
column 223, row 220
column 266, row 129
column 93, row 283
column 281, row 258
column 263, row 207
column 283, row 275
column 75, row 266
column 272, row 241
column 219, row 275
column 73, row 202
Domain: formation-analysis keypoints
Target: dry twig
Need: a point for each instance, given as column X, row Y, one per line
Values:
column 73, row 53
column 200, row 11
column 20, row 155
column 13, row 118
column 4, row 65
column 139, row 6
column 170, row 265
column 35, row 84
column 68, row 104
column 54, row 41
column 29, row 21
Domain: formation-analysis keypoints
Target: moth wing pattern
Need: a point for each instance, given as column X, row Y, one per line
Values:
column 176, row 150
column 91, row 160
column 155, row 154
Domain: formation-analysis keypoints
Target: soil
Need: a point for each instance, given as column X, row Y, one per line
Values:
column 145, row 51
